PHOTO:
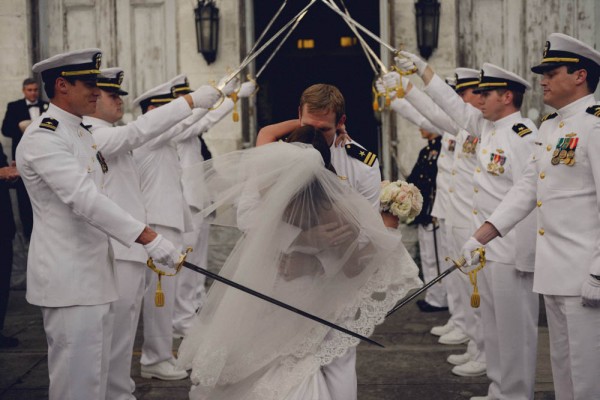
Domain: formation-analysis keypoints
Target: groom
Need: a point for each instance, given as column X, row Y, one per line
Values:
column 323, row 106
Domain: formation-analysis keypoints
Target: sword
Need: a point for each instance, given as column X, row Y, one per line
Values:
column 455, row 265
column 435, row 247
column 261, row 296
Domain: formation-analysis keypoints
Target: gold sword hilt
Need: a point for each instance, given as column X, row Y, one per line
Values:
column 460, row 263
column 159, row 296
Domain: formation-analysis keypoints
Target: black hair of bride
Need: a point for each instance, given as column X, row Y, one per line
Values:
column 310, row 135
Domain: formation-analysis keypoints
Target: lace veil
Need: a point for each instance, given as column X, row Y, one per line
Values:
column 308, row 240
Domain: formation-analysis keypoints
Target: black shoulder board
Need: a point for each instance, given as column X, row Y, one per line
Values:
column 594, row 110
column 521, row 129
column 49, row 123
column 361, row 154
column 549, row 116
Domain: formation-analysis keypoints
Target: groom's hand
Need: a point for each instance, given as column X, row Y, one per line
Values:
column 327, row 235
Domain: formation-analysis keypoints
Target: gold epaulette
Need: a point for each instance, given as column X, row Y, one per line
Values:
column 361, row 154
column 521, row 129
column 594, row 110
column 549, row 116
column 49, row 123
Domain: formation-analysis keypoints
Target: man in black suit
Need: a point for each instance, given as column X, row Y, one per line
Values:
column 19, row 115
column 8, row 175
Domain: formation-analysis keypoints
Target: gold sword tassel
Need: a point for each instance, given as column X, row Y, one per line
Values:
column 159, row 295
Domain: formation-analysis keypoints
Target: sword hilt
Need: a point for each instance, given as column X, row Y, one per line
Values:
column 159, row 296
column 460, row 263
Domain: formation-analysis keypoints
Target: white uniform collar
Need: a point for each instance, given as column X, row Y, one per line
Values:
column 96, row 122
column 509, row 120
column 63, row 116
column 572, row 108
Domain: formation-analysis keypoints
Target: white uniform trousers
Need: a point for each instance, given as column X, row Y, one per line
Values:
column 467, row 318
column 435, row 295
column 78, row 350
column 190, row 284
column 131, row 278
column 340, row 376
column 509, row 313
column 158, row 321
column 574, row 347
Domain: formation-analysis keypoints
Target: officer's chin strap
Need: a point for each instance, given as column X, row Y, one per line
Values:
column 460, row 263
column 159, row 296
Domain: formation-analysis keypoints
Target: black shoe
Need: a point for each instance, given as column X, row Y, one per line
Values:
column 7, row 341
column 426, row 307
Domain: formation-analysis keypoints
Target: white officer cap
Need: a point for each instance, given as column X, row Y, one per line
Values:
column 110, row 80
column 157, row 96
column 493, row 77
column 450, row 81
column 81, row 64
column 563, row 49
column 466, row 78
column 180, row 85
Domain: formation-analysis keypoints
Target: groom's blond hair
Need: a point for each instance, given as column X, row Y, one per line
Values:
column 323, row 97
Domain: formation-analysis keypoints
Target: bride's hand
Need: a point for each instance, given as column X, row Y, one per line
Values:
column 342, row 136
column 323, row 236
column 297, row 264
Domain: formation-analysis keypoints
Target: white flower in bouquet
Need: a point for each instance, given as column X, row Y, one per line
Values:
column 402, row 199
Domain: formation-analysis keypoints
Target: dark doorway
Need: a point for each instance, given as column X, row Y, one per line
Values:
column 293, row 69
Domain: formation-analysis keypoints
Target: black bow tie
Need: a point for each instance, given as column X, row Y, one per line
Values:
column 33, row 105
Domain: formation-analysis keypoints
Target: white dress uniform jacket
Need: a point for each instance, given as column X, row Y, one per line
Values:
column 502, row 158
column 69, row 262
column 566, row 199
column 122, row 181
column 363, row 178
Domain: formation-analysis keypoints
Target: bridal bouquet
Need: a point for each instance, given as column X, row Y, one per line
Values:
column 401, row 199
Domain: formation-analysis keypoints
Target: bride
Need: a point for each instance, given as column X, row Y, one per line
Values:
column 308, row 240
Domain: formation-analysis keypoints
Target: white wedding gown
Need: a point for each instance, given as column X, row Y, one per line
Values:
column 284, row 200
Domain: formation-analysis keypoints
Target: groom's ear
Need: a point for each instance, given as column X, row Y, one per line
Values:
column 341, row 122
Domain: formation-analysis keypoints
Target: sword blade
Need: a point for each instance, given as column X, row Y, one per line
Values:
column 424, row 288
column 281, row 304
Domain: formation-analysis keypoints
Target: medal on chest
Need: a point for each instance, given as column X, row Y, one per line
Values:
column 451, row 145
column 470, row 144
column 496, row 164
column 564, row 152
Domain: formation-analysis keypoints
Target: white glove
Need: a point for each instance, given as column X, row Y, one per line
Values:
column 409, row 61
column 391, row 80
column 230, row 86
column 162, row 251
column 379, row 85
column 247, row 89
column 469, row 254
column 590, row 292
column 205, row 96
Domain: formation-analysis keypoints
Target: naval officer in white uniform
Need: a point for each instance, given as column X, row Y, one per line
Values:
column 122, row 185
column 70, row 272
column 562, row 182
column 509, row 308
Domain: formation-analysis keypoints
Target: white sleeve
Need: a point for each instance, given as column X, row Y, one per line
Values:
column 120, row 139
column 208, row 121
column 178, row 129
column 403, row 108
column 370, row 184
column 49, row 157
column 466, row 116
column 518, row 202
column 526, row 229
column 430, row 110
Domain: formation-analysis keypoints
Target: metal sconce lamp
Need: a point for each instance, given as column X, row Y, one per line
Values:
column 207, row 29
column 428, row 25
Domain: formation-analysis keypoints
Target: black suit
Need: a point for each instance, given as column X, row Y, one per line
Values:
column 16, row 112
column 7, row 233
